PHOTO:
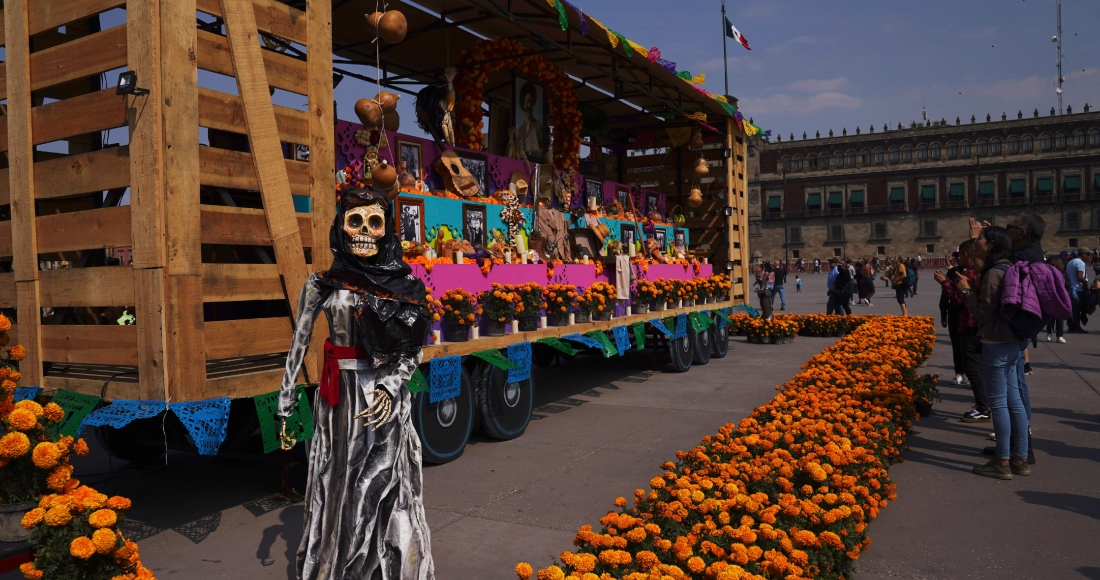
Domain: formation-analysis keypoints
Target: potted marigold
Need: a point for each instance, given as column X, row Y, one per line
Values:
column 645, row 293
column 722, row 287
column 499, row 305
column 597, row 301
column 460, row 312
column 924, row 391
column 435, row 307
column 528, row 304
column 561, row 300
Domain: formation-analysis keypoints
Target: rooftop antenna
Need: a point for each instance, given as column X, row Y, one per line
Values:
column 1058, row 39
column 923, row 113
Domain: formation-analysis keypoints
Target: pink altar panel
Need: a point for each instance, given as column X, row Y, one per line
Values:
column 444, row 277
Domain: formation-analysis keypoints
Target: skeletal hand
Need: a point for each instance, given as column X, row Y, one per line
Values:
column 287, row 441
column 378, row 411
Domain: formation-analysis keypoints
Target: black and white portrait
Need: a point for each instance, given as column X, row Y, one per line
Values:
column 679, row 238
column 623, row 195
column 593, row 189
column 410, row 215
column 530, row 118
column 650, row 203
column 661, row 238
column 627, row 234
column 410, row 153
column 473, row 225
column 478, row 166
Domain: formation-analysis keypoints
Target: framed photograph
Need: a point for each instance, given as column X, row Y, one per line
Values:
column 474, row 225
column 593, row 189
column 530, row 118
column 410, row 220
column 623, row 195
column 478, row 166
column 650, row 204
column 410, row 153
column 626, row 234
column 660, row 236
column 679, row 239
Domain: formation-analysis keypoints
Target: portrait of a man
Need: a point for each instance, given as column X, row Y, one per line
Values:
column 530, row 119
column 473, row 225
column 627, row 235
column 680, row 240
column 661, row 238
column 410, row 214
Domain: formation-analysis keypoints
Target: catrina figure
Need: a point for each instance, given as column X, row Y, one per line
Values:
column 364, row 512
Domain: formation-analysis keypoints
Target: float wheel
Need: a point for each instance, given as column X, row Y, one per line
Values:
column 720, row 340
column 504, row 408
column 444, row 427
column 680, row 352
column 702, row 346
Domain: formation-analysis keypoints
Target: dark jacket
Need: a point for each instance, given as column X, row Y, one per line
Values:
column 985, row 305
column 843, row 280
column 1032, row 253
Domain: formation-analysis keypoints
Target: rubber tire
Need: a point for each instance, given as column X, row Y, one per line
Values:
column 701, row 345
column 543, row 356
column 500, row 420
column 719, row 340
column 680, row 352
column 442, row 444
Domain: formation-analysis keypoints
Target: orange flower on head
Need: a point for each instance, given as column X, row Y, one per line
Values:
column 53, row 412
column 14, row 444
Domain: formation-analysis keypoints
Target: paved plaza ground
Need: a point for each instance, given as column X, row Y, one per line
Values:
column 604, row 426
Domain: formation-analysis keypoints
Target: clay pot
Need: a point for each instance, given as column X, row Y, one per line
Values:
column 701, row 169
column 392, row 120
column 388, row 101
column 369, row 113
column 372, row 21
column 384, row 177
column 392, row 27
column 695, row 198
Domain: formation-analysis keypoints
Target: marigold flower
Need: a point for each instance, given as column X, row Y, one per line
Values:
column 551, row 573
column 15, row 376
column 17, row 352
column 60, row 477
column 14, row 444
column 117, row 502
column 57, row 516
column 102, row 518
column 32, row 518
column 45, row 455
column 105, row 540
column 82, row 547
column 8, row 386
column 29, row 571
column 5, row 323
column 524, row 571
column 53, row 412
column 696, row 564
column 22, row 420
column 80, row 447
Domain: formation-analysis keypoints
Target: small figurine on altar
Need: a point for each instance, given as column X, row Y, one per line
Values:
column 364, row 512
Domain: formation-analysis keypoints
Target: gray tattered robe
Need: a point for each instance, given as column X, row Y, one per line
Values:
column 364, row 513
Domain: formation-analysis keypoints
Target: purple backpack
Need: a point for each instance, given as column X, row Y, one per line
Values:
column 1033, row 293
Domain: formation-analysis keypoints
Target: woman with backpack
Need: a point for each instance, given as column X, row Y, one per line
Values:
column 1000, row 355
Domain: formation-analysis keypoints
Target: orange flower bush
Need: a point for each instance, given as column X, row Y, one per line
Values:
column 646, row 292
column 500, row 302
column 460, row 307
column 785, row 494
column 772, row 329
column 529, row 299
column 560, row 298
column 598, row 298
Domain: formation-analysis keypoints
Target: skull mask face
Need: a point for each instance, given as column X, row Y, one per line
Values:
column 365, row 225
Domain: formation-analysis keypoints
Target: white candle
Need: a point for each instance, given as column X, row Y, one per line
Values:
column 435, row 337
column 572, row 319
column 474, row 330
column 706, row 260
column 507, row 257
column 523, row 256
column 542, row 322
column 584, row 259
column 515, row 327
column 679, row 304
column 628, row 310
column 631, row 250
column 592, row 203
column 458, row 257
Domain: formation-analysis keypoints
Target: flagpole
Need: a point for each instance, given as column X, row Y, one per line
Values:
column 725, row 64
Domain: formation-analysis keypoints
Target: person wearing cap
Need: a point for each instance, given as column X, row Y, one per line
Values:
column 1076, row 282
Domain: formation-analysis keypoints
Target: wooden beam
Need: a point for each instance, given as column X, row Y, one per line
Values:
column 7, row 293
column 77, row 174
column 241, row 226
column 79, row 58
column 247, row 337
column 89, row 386
column 224, row 111
column 267, row 153
column 237, row 170
column 88, row 113
column 46, row 14
column 322, row 151
column 239, row 282
column 107, row 227
column 282, row 72
column 75, row 287
column 186, row 341
column 246, row 385
column 108, row 344
column 24, row 238
column 271, row 16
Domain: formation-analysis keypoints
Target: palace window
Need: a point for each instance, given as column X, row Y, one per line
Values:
column 851, row 160
column 1078, row 138
column 922, row 152
column 855, row 198
column 1044, row 186
column 957, row 191
column 795, row 235
column 894, row 155
column 811, row 161
column 935, row 151
column 964, row 149
column 813, row 202
column 838, row 160
column 1094, row 136
column 952, row 150
column 928, row 194
column 836, row 233
column 1071, row 184
column 787, row 163
column 995, row 146
column 907, row 153
column 1044, row 142
column 823, row 161
column 1029, row 143
column 897, row 196
column 1017, row 188
column 836, row 200
column 878, row 231
column 775, row 204
column 1071, row 220
column 878, row 155
column 866, row 156
column 1059, row 140
column 797, row 163
column 1013, row 144
column 983, row 148
column 927, row 228
column 985, row 189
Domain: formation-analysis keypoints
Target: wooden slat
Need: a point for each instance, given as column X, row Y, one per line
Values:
column 151, row 308
column 7, row 291
column 94, row 387
column 4, row 125
column 322, row 152
column 2, row 36
column 237, row 170
column 186, row 343
column 46, row 14
column 5, row 239
column 79, row 115
column 246, row 385
column 109, row 344
column 283, row 72
column 224, row 111
column 108, row 227
column 3, row 80
column 77, row 174
column 240, row 282
column 104, row 286
column 247, row 337
column 271, row 16
column 241, row 226
column 83, row 57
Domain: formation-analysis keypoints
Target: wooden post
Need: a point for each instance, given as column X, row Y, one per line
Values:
column 735, row 198
column 179, row 78
column 24, row 233
column 322, row 152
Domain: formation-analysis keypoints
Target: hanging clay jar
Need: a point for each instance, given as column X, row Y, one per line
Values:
column 695, row 198
column 392, row 27
column 392, row 121
column 388, row 100
column 384, row 177
column 369, row 113
column 372, row 21
column 701, row 169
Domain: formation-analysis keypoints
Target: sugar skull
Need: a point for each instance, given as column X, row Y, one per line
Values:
column 365, row 225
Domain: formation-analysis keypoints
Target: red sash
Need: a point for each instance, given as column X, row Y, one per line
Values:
column 330, row 375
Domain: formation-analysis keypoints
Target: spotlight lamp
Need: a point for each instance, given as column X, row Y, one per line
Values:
column 730, row 264
column 127, row 84
column 727, row 211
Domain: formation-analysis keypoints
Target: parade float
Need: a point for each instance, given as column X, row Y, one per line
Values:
column 166, row 270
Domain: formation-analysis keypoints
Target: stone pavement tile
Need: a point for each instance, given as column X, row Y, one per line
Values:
column 490, row 470
column 439, row 519
column 678, row 431
column 480, row 549
column 588, row 425
column 580, row 493
column 655, row 393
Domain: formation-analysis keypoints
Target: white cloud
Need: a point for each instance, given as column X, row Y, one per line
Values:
column 795, row 44
column 782, row 103
column 819, row 86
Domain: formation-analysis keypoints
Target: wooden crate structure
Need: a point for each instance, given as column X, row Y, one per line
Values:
column 66, row 207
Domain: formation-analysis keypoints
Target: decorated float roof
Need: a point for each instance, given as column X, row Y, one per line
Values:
column 587, row 49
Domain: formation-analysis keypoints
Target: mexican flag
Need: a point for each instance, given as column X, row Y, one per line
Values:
column 732, row 32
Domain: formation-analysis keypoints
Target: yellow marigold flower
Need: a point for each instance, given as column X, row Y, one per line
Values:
column 118, row 502
column 5, row 323
column 696, row 564
column 524, row 571
column 636, row 535
column 105, row 541
column 127, row 550
column 82, row 547
column 81, row 447
column 22, row 420
column 60, row 477
column 102, row 518
column 620, row 501
column 14, row 444
column 53, row 412
column 33, row 518
column 57, row 516
column 29, row 571
column 45, row 455
column 17, row 352
column 551, row 573
column 31, row 406
column 7, row 385
column 657, row 482
column 15, row 376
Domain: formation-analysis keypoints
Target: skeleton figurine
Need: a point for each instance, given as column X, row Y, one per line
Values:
column 511, row 213
column 364, row 514
column 448, row 105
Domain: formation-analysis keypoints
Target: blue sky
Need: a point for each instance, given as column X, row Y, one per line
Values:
column 820, row 65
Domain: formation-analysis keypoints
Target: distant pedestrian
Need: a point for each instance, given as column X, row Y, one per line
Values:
column 797, row 284
column 777, row 288
column 1077, row 282
column 900, row 279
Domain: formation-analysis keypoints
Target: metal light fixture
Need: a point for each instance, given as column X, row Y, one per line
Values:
column 127, row 84
column 727, row 153
column 727, row 211
column 729, row 264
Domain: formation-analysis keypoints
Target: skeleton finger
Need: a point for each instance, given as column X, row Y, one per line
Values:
column 383, row 416
column 375, row 405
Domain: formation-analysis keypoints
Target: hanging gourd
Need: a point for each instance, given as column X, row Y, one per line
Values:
column 695, row 198
column 701, row 169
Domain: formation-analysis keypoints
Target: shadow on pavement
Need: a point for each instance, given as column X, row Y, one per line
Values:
column 1090, row 572
column 1061, row 449
column 1070, row 502
column 290, row 528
